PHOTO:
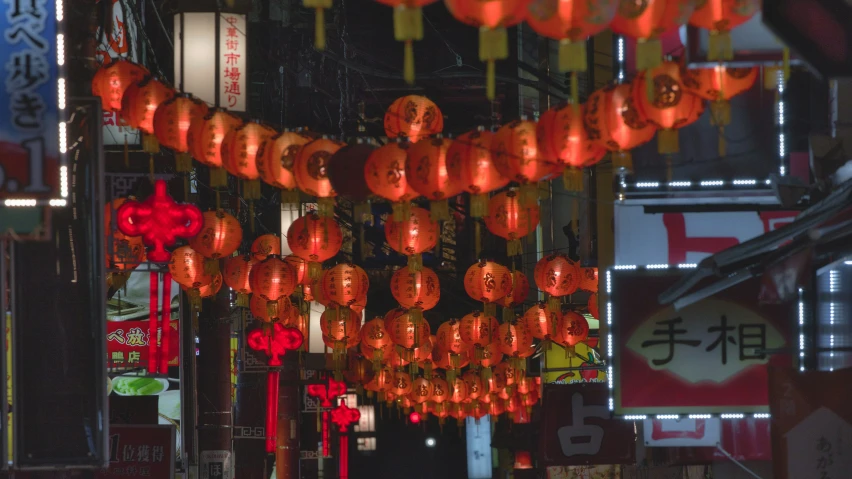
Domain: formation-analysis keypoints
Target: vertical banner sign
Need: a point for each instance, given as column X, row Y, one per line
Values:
column 714, row 353
column 232, row 58
column 118, row 42
column 140, row 452
column 578, row 429
column 811, row 423
column 29, row 135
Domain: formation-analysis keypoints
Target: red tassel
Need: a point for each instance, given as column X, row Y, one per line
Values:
column 344, row 457
column 271, row 410
column 166, row 323
column 153, row 339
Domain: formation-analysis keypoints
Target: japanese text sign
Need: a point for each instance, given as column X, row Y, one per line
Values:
column 713, row 353
column 140, row 451
column 682, row 432
column 811, row 423
column 578, row 429
column 128, row 341
column 29, row 139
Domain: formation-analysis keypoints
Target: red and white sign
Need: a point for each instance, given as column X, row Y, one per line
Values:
column 714, row 354
column 140, row 452
column 128, row 344
column 682, row 432
column 677, row 238
column 117, row 42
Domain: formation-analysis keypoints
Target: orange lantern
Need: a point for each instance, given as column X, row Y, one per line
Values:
column 571, row 23
column 562, row 137
column 139, row 104
column 449, row 337
column 491, row 18
column 413, row 236
column 259, row 308
column 205, row 137
column 413, row 117
column 589, row 280
column 613, row 121
column 276, row 159
column 488, row 282
column 477, row 331
column 345, row 283
column 207, row 290
column 469, row 161
column 426, row 172
column 314, row 239
column 572, row 329
column 440, row 391
column 379, row 355
column 507, row 375
column 359, row 372
column 508, row 219
column 373, row 333
column 271, row 279
column 523, row 460
column 112, row 80
column 593, row 306
column 542, row 322
column 237, row 270
column 220, row 236
column 557, row 275
column 385, row 176
column 401, row 383
column 518, row 294
column 422, row 356
column 416, row 290
column 265, row 245
column 405, row 332
column 187, row 268
column 474, row 385
column 516, row 157
column 301, row 267
column 669, row 107
column 171, row 125
column 239, row 155
column 421, row 391
column 646, row 21
column 458, row 390
column 340, row 328
column 719, row 17
column 310, row 171
column 719, row 84
column 515, row 340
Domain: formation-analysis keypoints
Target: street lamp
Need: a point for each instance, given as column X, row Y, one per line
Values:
column 430, row 442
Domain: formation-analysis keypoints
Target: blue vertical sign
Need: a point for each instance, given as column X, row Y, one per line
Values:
column 30, row 103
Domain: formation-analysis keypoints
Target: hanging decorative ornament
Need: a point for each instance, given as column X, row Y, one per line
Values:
column 287, row 312
column 719, row 17
column 345, row 283
column 426, row 172
column 219, row 237
column 405, row 332
column 458, row 390
column 562, row 138
column 474, row 385
column 311, row 172
column 264, row 246
column 557, row 275
column 491, row 356
column 593, row 306
column 719, row 84
column 123, row 253
column 112, row 80
column 477, row 331
column 276, row 160
column 469, row 162
column 517, row 296
column 508, row 219
column 344, row 416
column 448, row 340
column 314, row 239
column 275, row 342
column 138, row 105
column 236, row 276
column 272, row 279
column 421, row 392
column 440, row 391
column 374, row 335
column 385, row 176
column 491, row 18
column 516, row 157
column 515, row 340
column 571, row 23
column 646, row 21
column 669, row 107
column 319, row 6
column 416, row 291
column 542, row 322
column 340, row 326
column 325, row 394
column 171, row 125
column 613, row 121
column 488, row 282
column 205, row 137
column 422, row 356
column 589, row 279
column 207, row 290
column 413, row 236
column 401, row 383
column 407, row 27
column 354, row 187
column 413, row 117
column 240, row 155
column 570, row 330
column 187, row 268
column 359, row 372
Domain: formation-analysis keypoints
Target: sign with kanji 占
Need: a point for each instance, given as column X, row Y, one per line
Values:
column 714, row 353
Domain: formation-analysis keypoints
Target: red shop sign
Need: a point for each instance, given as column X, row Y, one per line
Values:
column 578, row 428
column 140, row 451
column 708, row 358
column 127, row 344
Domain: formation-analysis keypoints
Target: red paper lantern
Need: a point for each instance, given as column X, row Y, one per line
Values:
column 542, row 322
column 520, row 290
column 469, row 162
column 488, row 282
column 557, row 275
column 415, row 235
column 426, row 172
column 613, row 121
column 207, row 290
column 373, row 333
column 140, row 101
column 113, row 79
column 448, row 360
column 506, row 375
column 491, row 354
column 515, row 339
column 589, row 279
column 516, row 154
column 311, row 171
column 128, row 252
column 272, row 278
column 173, row 118
column 572, row 329
column 277, row 157
column 562, row 138
column 593, row 306
column 340, row 326
column 416, row 289
column 240, row 155
column 342, row 164
column 668, row 106
column 264, row 246
column 401, row 385
column 187, row 268
column 449, row 337
column 458, row 390
column 344, row 283
column 220, row 236
column 509, row 219
column 440, row 390
column 360, row 371
column 385, row 176
column 205, row 137
column 300, row 266
column 286, row 312
column 646, row 21
column 404, row 331
column 474, row 385
column 477, row 330
column 523, row 460
column 413, row 117
column 314, row 239
column 719, row 17
column 237, row 270
column 421, row 390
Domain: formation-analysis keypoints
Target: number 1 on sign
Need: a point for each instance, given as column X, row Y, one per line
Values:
column 35, row 152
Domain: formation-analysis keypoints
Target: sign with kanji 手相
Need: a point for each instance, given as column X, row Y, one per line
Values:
column 709, row 358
